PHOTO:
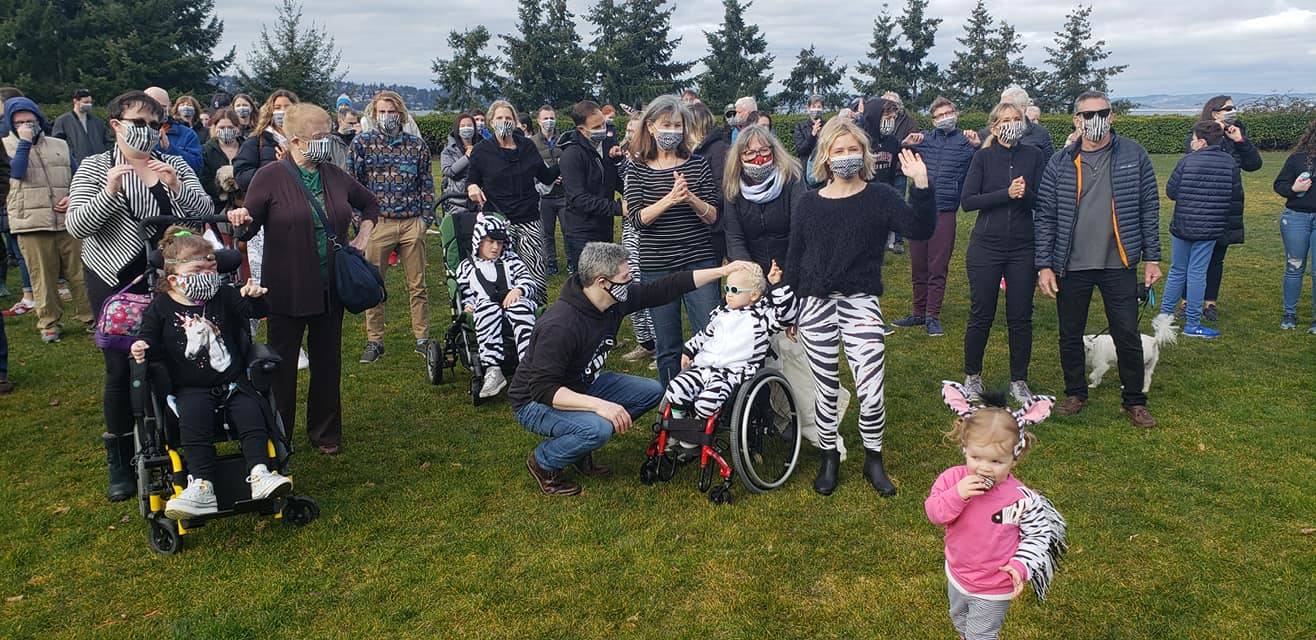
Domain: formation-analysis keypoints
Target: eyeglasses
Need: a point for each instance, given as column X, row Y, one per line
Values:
column 1088, row 115
column 142, row 122
column 749, row 154
column 616, row 283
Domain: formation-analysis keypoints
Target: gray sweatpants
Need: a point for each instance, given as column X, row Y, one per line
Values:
column 976, row 618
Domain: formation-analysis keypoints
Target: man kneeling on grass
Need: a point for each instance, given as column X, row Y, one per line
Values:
column 560, row 390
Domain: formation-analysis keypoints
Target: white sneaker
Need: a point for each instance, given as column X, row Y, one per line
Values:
column 303, row 362
column 198, row 499
column 1019, row 389
column 973, row 385
column 494, row 381
column 267, row 484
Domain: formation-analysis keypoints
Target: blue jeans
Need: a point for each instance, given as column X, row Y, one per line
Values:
column 11, row 244
column 667, row 331
column 1189, row 261
column 573, row 434
column 4, row 352
column 1298, row 230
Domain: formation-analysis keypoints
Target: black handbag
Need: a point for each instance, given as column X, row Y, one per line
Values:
column 359, row 284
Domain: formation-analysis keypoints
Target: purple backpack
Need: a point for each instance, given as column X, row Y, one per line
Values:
column 120, row 320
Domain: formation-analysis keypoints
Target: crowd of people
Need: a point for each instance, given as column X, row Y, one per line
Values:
column 801, row 239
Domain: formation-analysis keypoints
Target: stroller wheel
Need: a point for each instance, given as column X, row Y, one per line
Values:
column 162, row 534
column 300, row 510
column 434, row 362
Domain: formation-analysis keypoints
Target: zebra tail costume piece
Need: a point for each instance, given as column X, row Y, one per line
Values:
column 1041, row 540
column 640, row 320
column 482, row 285
column 855, row 320
column 527, row 238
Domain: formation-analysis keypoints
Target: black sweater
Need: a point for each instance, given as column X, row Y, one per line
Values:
column 761, row 232
column 1293, row 167
column 162, row 329
column 508, row 177
column 837, row 245
column 1003, row 222
column 572, row 339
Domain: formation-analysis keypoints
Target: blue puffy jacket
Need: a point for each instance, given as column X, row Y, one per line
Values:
column 947, row 156
column 1207, row 188
column 1135, row 212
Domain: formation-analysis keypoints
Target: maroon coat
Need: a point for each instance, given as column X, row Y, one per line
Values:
column 291, row 267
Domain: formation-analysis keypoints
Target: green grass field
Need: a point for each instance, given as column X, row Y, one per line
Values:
column 431, row 527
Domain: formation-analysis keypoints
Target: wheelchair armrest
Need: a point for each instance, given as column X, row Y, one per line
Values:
column 138, row 390
column 262, row 362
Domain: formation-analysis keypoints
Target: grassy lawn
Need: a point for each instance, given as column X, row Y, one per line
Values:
column 432, row 528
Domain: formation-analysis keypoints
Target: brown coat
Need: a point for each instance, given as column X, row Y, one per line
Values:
column 291, row 268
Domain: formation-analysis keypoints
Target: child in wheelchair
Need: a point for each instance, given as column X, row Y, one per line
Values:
column 195, row 327
column 496, row 288
column 734, row 344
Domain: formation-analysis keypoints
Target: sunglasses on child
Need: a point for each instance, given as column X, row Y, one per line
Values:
column 1088, row 115
column 731, row 288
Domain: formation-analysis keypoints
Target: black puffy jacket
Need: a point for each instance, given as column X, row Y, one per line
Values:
column 1136, row 210
column 1207, row 189
column 947, row 156
column 1247, row 158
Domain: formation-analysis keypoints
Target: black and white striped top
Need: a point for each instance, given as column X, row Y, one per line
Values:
column 107, row 224
column 678, row 237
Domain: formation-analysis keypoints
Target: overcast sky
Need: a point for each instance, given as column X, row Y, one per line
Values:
column 1171, row 46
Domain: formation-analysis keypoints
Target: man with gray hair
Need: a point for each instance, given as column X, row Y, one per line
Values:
column 560, row 390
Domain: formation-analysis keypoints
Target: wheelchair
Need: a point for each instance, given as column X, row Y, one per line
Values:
column 754, row 437
column 159, row 462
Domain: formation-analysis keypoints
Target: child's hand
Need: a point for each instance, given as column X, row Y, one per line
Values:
column 138, row 351
column 685, row 362
column 971, row 485
column 469, row 309
column 512, row 297
column 774, row 274
column 252, row 290
column 1015, row 579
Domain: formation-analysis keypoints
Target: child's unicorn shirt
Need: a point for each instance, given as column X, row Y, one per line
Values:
column 200, row 344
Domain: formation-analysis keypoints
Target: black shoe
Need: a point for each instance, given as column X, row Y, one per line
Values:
column 372, row 352
column 911, row 320
column 876, row 474
column 119, row 452
column 825, row 483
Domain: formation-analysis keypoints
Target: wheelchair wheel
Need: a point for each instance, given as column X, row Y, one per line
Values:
column 434, row 362
column 764, row 431
column 300, row 510
column 721, row 494
column 162, row 534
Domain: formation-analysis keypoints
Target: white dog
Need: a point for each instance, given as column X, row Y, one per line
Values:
column 1100, row 351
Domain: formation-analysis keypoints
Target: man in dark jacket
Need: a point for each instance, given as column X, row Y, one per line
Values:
column 589, row 181
column 551, row 197
column 806, row 131
column 560, row 390
column 86, row 134
column 1097, row 215
column 176, row 138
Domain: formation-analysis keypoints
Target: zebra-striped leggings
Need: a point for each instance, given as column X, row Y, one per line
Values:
column 489, row 317
column 705, row 389
column 825, row 323
column 528, row 242
column 640, row 320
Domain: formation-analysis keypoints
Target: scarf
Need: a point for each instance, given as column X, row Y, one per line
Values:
column 278, row 137
column 765, row 191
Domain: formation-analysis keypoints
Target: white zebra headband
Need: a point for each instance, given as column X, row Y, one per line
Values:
column 1035, row 410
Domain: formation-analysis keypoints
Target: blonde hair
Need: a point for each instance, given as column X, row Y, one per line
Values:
column 786, row 163
column 299, row 118
column 834, row 129
column 180, row 244
column 391, row 96
column 990, row 426
column 753, row 271
column 994, row 118
column 500, row 104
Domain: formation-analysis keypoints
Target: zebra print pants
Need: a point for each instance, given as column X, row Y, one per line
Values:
column 824, row 324
column 489, row 317
column 705, row 389
column 528, row 242
column 640, row 320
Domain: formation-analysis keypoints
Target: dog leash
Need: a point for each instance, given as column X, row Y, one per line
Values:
column 1148, row 301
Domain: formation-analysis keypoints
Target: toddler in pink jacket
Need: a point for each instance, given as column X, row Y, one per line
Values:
column 999, row 533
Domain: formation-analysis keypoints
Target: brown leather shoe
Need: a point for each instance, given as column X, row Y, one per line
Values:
column 586, row 467
column 1140, row 416
column 550, row 482
column 1071, row 405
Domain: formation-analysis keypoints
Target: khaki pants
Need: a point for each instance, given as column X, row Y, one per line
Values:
column 408, row 237
column 52, row 255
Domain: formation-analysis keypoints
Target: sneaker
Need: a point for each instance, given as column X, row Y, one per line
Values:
column 934, row 327
column 50, row 335
column 494, row 381
column 423, row 347
column 198, row 499
column 21, row 307
column 898, row 248
column 973, row 385
column 372, row 352
column 910, row 320
column 65, row 295
column 653, row 365
column 393, row 259
column 1200, row 331
column 4, row 291
column 303, row 362
column 1210, row 313
column 1020, row 391
column 640, row 352
column 267, row 484
column 1290, row 321
column 1140, row 416
column 887, row 329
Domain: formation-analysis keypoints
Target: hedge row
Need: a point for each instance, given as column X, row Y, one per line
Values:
column 1159, row 134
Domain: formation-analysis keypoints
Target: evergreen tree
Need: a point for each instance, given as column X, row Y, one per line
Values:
column 1073, row 63
column 917, row 76
column 545, row 64
column 966, row 75
column 639, row 59
column 812, row 75
column 878, row 69
column 601, row 60
column 302, row 61
column 737, row 63
column 469, row 77
column 1005, row 66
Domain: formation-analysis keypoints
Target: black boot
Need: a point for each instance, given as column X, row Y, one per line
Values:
column 119, row 452
column 876, row 474
column 825, row 483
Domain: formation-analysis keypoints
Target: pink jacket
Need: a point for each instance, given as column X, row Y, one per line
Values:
column 982, row 533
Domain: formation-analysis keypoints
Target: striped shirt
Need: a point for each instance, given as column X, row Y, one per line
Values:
column 107, row 224
column 677, row 237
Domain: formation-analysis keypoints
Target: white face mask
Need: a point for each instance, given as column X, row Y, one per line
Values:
column 278, row 118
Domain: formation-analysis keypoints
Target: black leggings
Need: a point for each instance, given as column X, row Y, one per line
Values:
column 118, row 377
column 196, row 428
column 986, row 267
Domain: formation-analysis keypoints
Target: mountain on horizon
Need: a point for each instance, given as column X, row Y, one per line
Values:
column 1196, row 100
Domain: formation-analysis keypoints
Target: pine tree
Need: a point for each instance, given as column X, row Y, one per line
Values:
column 640, row 65
column 878, row 69
column 1005, row 66
column 812, row 75
column 1073, row 63
column 470, row 77
column 572, row 76
column 302, row 61
column 607, row 18
column 524, row 58
column 737, row 63
column 918, row 76
column 965, row 77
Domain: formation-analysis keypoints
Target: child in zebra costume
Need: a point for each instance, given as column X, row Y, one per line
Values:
column 734, row 344
column 499, row 291
column 999, row 533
